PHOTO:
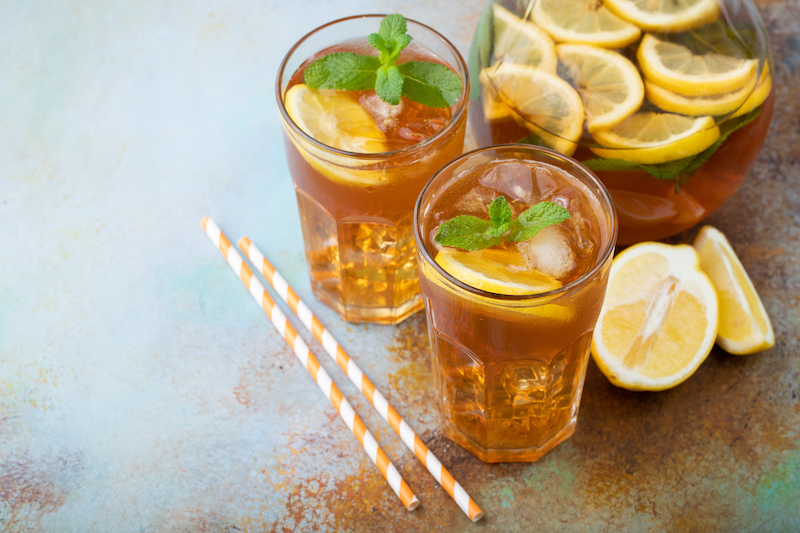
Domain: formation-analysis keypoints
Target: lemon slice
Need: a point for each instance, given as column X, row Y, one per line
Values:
column 659, row 318
column 759, row 94
column 517, row 41
column 674, row 67
column 652, row 138
column 665, row 15
column 334, row 120
column 487, row 270
column 744, row 326
column 543, row 103
column 609, row 84
column 583, row 22
column 493, row 106
column 718, row 104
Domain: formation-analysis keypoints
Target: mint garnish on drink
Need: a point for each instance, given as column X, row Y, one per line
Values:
column 472, row 233
column 427, row 83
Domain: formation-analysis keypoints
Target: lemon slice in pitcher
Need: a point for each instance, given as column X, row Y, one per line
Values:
column 675, row 67
column 665, row 15
column 610, row 86
column 543, row 103
column 659, row 319
column 652, row 138
column 759, row 94
column 744, row 326
column 333, row 119
column 717, row 104
column 584, row 22
column 517, row 41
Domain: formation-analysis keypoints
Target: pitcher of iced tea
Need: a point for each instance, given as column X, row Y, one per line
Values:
column 667, row 101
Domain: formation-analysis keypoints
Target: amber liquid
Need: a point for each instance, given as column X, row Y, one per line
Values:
column 510, row 373
column 356, row 213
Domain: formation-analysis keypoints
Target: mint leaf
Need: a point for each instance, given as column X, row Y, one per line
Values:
column 480, row 52
column 533, row 220
column 467, row 232
column 345, row 71
column 500, row 212
column 389, row 84
column 430, row 84
column 392, row 27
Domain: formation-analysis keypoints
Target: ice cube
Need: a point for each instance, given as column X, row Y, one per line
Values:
column 510, row 178
column 546, row 182
column 550, row 251
column 475, row 202
column 387, row 116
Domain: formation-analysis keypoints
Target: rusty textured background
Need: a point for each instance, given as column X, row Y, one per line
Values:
column 142, row 390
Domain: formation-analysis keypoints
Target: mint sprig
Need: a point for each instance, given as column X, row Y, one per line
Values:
column 427, row 83
column 472, row 233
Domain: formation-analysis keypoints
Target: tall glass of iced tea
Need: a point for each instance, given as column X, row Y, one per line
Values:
column 358, row 165
column 510, row 324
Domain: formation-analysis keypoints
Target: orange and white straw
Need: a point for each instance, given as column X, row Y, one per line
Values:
column 378, row 401
column 309, row 361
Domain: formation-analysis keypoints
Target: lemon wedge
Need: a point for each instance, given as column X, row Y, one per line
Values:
column 488, row 271
column 652, row 138
column 759, row 94
column 665, row 15
column 517, row 41
column 744, row 327
column 718, row 104
column 610, row 86
column 334, row 120
column 583, row 22
column 675, row 67
column 541, row 102
column 659, row 318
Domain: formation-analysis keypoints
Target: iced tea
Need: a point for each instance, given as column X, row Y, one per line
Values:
column 511, row 325
column 357, row 174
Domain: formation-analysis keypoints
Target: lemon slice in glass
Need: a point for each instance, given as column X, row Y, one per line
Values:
column 717, row 104
column 659, row 319
column 652, row 138
column 488, row 271
column 675, row 67
column 665, row 15
column 759, row 94
column 584, row 22
column 744, row 326
column 517, row 41
column 610, row 86
column 543, row 103
column 334, row 120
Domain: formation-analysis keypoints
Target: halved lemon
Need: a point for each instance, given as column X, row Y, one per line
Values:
column 759, row 94
column 718, row 104
column 488, row 271
column 584, row 22
column 659, row 318
column 665, row 15
column 744, row 326
column 675, row 67
column 651, row 138
column 517, row 41
column 543, row 103
column 610, row 86
column 334, row 119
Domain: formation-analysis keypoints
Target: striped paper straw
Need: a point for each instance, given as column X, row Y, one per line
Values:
column 310, row 363
column 378, row 401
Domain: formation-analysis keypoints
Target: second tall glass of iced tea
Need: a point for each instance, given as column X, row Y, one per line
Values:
column 356, row 199
column 510, row 325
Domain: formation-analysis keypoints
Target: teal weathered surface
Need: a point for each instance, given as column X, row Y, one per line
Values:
column 141, row 389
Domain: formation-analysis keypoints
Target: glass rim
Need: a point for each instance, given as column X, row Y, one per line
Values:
column 547, row 295
column 461, row 105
